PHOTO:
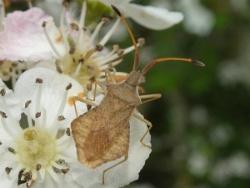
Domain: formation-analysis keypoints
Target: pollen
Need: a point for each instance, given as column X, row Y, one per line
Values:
column 36, row 146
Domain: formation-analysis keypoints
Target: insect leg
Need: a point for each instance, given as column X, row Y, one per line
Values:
column 150, row 97
column 109, row 77
column 96, row 82
column 101, row 86
column 122, row 161
column 149, row 124
column 86, row 101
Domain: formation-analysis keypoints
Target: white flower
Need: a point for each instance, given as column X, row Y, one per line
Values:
column 38, row 150
column 18, row 37
column 72, row 48
column 19, row 40
column 147, row 16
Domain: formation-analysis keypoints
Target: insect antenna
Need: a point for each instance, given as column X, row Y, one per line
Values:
column 136, row 60
column 152, row 63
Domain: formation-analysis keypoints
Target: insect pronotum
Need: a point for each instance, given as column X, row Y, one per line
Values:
column 100, row 131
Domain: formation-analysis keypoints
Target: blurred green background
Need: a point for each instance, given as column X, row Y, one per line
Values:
column 201, row 124
column 200, row 133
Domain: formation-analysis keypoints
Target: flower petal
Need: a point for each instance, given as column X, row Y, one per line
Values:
column 50, row 182
column 23, row 37
column 5, row 182
column 12, row 102
column 151, row 17
column 53, row 90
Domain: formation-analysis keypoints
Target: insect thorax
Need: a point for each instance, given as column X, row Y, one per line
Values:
column 125, row 92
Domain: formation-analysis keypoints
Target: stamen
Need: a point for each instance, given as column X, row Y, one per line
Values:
column 78, row 68
column 2, row 92
column 60, row 110
column 38, row 114
column 114, row 63
column 50, row 42
column 83, row 14
column 28, row 115
column 58, row 166
column 44, row 118
column 109, row 34
column 65, row 41
column 27, row 103
column 106, row 59
column 27, row 176
column 68, row 132
column 39, row 81
column 11, row 150
column 99, row 47
column 100, row 58
column 58, row 67
column 63, row 102
column 74, row 26
column 65, row 171
column 8, row 170
column 120, row 52
column 3, row 114
column 68, row 159
column 61, row 118
column 39, row 94
column 82, row 22
column 141, row 41
column 69, row 86
column 90, row 53
column 97, row 29
column 61, row 161
column 38, row 167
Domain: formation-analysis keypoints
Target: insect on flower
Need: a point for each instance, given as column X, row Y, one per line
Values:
column 102, row 134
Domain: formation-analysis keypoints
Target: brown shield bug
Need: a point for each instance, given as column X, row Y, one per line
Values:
column 102, row 134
